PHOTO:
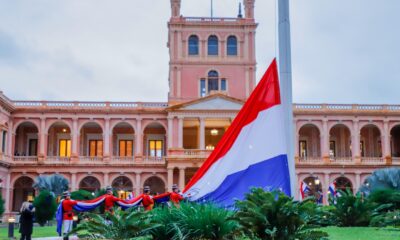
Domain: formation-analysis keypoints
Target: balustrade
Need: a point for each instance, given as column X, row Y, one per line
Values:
column 341, row 160
column 372, row 160
column 57, row 159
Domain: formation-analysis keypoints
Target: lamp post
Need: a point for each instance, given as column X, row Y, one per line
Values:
column 11, row 221
column 75, row 223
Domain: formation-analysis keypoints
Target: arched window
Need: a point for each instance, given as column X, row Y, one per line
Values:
column 213, row 45
column 212, row 81
column 193, row 45
column 231, row 47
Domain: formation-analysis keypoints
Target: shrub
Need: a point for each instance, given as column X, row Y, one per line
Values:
column 81, row 195
column 386, row 197
column 130, row 224
column 352, row 210
column 386, row 219
column 45, row 207
column 193, row 221
column 273, row 215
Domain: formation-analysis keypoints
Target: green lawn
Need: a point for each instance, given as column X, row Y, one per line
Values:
column 335, row 233
column 37, row 232
column 362, row 233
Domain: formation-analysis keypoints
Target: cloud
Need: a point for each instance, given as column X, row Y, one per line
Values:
column 343, row 51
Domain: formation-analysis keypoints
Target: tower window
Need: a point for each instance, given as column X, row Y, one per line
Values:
column 212, row 83
column 202, row 87
column 231, row 47
column 213, row 45
column 193, row 45
column 223, row 84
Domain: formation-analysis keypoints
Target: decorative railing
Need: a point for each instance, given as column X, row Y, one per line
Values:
column 197, row 153
column 310, row 160
column 25, row 159
column 341, row 160
column 118, row 159
column 346, row 107
column 154, row 159
column 65, row 104
column 395, row 160
column 210, row 19
column 57, row 159
column 89, row 159
column 372, row 160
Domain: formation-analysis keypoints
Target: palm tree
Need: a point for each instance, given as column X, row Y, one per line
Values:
column 130, row 224
column 56, row 184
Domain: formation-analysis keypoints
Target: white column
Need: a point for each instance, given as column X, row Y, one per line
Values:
column 138, row 183
column 170, row 131
column 170, row 178
column 1, row 141
column 106, row 179
column 106, row 136
column 386, row 140
column 42, row 137
column 325, row 139
column 8, row 192
column 181, row 178
column 180, row 132
column 358, row 182
column 355, row 148
column 73, row 181
column 75, row 137
column 202, row 134
column 325, row 187
column 139, row 137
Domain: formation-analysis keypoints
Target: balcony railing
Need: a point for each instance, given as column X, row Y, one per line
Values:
column 26, row 159
column 346, row 107
column 118, row 159
column 57, row 159
column 396, row 160
column 372, row 160
column 154, row 159
column 89, row 159
column 189, row 153
column 341, row 160
column 310, row 160
column 96, row 105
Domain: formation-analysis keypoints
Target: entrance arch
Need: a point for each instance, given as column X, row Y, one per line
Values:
column 156, row 185
column 343, row 183
column 23, row 191
column 90, row 184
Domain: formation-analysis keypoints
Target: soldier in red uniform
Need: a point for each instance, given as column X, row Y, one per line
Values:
column 68, row 214
column 175, row 196
column 110, row 200
column 147, row 202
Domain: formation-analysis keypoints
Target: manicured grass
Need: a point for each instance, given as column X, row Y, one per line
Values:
column 335, row 233
column 48, row 231
column 362, row 233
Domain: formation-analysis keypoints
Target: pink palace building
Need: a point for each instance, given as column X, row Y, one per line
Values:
column 131, row 144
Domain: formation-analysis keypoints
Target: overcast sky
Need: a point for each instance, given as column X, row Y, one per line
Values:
column 343, row 51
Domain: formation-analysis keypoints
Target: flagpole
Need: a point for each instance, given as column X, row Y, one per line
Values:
column 285, row 76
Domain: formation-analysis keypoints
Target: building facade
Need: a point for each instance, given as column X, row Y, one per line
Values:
column 132, row 144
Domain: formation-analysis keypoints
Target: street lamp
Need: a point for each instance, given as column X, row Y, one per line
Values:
column 11, row 221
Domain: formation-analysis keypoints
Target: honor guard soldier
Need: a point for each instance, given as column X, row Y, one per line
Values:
column 147, row 202
column 110, row 200
column 68, row 214
column 175, row 196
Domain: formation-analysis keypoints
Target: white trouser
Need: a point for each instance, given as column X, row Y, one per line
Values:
column 67, row 226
